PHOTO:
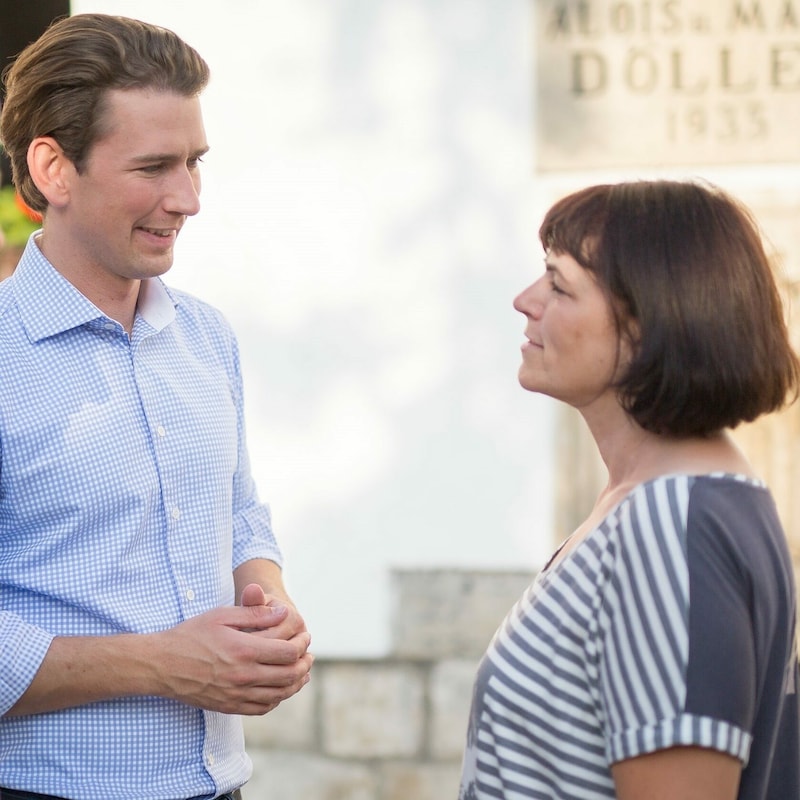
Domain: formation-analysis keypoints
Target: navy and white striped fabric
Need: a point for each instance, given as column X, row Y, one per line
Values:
column 671, row 624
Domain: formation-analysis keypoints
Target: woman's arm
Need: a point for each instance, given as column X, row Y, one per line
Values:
column 679, row 773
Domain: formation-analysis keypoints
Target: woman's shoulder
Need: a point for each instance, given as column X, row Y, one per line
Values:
column 668, row 497
column 673, row 518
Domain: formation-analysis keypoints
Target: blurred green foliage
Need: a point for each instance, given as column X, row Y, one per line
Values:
column 16, row 225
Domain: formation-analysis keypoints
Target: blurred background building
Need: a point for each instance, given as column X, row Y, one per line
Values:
column 370, row 207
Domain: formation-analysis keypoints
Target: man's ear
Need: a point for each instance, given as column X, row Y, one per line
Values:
column 50, row 170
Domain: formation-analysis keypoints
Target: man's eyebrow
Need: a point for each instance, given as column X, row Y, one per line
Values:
column 149, row 158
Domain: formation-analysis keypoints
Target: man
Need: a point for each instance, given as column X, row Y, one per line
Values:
column 129, row 522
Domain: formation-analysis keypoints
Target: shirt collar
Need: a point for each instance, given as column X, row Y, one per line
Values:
column 49, row 304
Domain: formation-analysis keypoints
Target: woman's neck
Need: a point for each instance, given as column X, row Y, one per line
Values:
column 633, row 455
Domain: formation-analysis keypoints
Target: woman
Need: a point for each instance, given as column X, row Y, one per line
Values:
column 654, row 657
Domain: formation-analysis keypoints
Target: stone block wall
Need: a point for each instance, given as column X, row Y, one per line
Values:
column 388, row 728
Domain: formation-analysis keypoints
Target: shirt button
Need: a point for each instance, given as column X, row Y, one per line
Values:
column 109, row 326
column 210, row 760
column 161, row 430
column 190, row 594
column 176, row 513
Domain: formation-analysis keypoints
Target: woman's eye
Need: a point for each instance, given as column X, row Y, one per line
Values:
column 553, row 277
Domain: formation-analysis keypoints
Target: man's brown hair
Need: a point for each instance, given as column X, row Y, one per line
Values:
column 57, row 85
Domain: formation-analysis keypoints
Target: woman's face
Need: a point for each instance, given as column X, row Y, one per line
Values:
column 573, row 350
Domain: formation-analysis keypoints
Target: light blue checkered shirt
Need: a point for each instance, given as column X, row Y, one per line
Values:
column 126, row 501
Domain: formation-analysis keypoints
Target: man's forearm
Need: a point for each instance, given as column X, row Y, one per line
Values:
column 78, row 670
column 211, row 661
column 267, row 574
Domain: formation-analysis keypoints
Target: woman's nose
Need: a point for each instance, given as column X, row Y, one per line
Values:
column 530, row 301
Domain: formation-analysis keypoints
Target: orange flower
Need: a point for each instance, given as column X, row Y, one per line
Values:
column 32, row 215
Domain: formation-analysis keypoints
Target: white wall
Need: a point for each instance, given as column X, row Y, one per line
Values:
column 369, row 213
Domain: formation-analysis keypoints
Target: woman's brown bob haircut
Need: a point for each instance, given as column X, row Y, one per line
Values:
column 57, row 85
column 689, row 282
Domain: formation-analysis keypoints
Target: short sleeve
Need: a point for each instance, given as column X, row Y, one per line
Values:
column 646, row 645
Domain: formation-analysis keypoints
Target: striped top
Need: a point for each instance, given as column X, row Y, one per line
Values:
column 671, row 623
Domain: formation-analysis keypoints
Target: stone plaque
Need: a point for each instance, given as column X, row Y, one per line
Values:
column 666, row 82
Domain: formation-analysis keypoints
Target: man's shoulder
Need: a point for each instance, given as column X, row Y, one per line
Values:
column 193, row 308
column 191, row 305
column 202, row 321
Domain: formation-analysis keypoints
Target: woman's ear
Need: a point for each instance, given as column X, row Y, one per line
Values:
column 50, row 170
column 630, row 336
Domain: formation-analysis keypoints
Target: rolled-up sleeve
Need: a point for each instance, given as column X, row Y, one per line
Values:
column 253, row 536
column 22, row 650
